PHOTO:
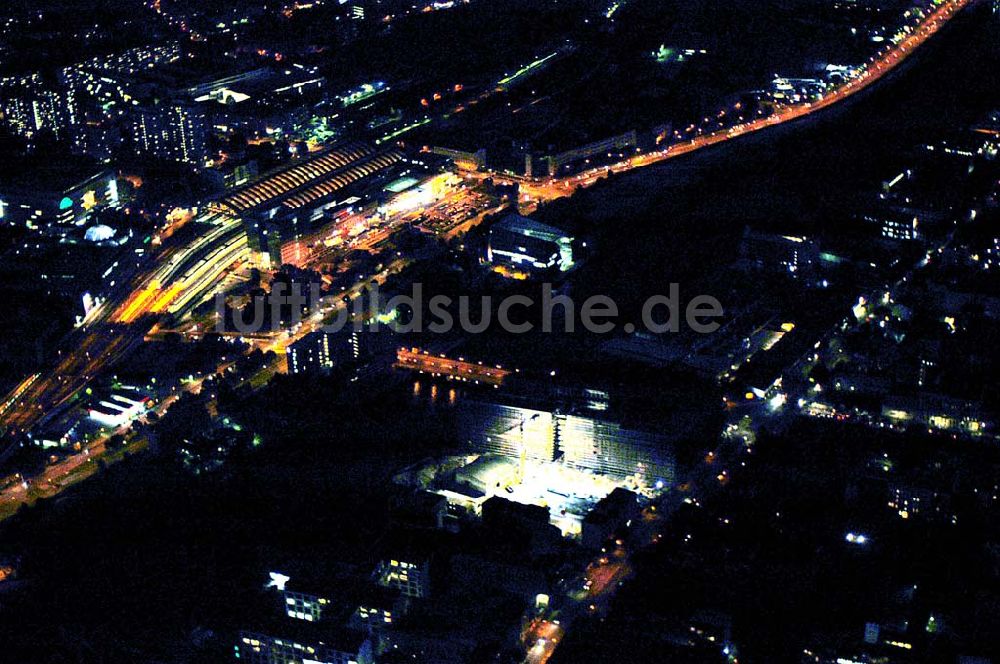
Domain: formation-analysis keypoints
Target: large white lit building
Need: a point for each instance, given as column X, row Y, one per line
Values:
column 117, row 409
column 578, row 442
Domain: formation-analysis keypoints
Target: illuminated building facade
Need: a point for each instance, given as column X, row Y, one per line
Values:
column 321, row 351
column 65, row 200
column 509, row 431
column 525, row 244
column 303, row 633
column 30, row 105
column 580, row 442
column 303, row 606
column 258, row 648
column 309, row 354
column 125, row 63
column 410, row 578
column 895, row 225
column 911, row 501
column 172, row 131
column 373, row 615
column 607, row 448
column 378, row 607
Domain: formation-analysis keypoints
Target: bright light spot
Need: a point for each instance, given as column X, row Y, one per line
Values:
column 854, row 538
column 278, row 580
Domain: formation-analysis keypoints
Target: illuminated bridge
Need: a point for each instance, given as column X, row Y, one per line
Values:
column 414, row 359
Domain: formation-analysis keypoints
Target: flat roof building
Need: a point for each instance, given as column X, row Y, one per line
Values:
column 613, row 513
column 489, row 473
column 522, row 243
column 304, row 643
